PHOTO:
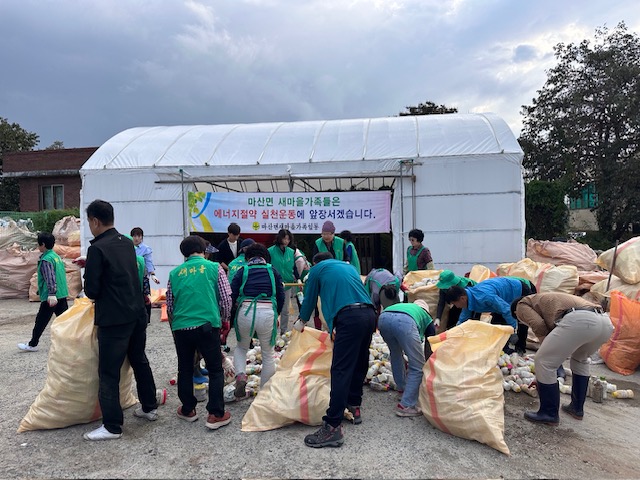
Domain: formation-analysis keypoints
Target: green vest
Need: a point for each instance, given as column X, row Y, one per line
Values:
column 253, row 300
column 141, row 268
column 235, row 265
column 419, row 315
column 395, row 282
column 194, row 285
column 412, row 260
column 338, row 247
column 61, row 277
column 355, row 261
column 283, row 262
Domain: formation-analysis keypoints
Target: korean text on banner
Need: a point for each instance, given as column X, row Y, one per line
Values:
column 300, row 212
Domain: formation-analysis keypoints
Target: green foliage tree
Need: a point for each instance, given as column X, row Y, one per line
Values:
column 56, row 145
column 545, row 210
column 427, row 108
column 13, row 138
column 584, row 125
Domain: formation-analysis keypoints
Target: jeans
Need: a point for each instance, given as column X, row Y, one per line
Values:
column 350, row 362
column 206, row 340
column 45, row 312
column 114, row 344
column 400, row 332
column 263, row 328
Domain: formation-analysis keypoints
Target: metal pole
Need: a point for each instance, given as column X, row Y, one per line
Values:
column 184, row 210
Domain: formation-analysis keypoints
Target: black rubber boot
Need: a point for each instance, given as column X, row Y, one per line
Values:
column 549, row 405
column 578, row 396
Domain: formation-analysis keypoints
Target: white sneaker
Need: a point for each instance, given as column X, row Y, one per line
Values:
column 152, row 416
column 25, row 347
column 101, row 433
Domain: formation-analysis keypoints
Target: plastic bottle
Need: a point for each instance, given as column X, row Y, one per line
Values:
column 622, row 394
column 200, row 392
column 161, row 396
column 565, row 389
column 300, row 296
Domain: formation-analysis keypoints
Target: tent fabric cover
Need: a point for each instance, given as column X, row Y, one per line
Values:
column 469, row 193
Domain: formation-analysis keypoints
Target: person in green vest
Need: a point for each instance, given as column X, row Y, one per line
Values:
column 328, row 242
column 350, row 249
column 283, row 260
column 418, row 256
column 258, row 292
column 383, row 286
column 52, row 289
column 198, row 306
column 403, row 327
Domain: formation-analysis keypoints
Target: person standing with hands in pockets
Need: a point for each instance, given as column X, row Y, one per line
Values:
column 348, row 310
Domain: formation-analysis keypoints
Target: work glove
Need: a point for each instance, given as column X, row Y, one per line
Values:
column 299, row 325
column 436, row 322
column 52, row 300
column 224, row 332
column 80, row 261
column 154, row 278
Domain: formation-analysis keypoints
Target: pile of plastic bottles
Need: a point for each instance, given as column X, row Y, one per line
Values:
column 518, row 373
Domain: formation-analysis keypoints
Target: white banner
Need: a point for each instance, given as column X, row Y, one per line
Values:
column 358, row 212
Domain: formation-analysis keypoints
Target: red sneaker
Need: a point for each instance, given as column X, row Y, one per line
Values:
column 192, row 416
column 215, row 423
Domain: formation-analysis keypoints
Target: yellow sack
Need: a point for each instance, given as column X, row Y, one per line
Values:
column 299, row 390
column 627, row 261
column 461, row 391
column 70, row 393
column 525, row 268
column 599, row 290
column 422, row 285
column 479, row 273
column 563, row 278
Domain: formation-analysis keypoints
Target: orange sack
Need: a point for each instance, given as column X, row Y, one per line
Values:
column 622, row 352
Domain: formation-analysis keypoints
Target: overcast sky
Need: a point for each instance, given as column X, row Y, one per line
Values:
column 80, row 71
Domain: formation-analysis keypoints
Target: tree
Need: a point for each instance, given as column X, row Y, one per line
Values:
column 13, row 138
column 56, row 145
column 584, row 125
column 545, row 210
column 427, row 108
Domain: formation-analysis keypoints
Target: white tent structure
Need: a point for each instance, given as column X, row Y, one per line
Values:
column 457, row 177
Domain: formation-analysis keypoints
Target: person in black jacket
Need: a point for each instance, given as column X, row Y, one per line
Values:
column 111, row 279
column 228, row 248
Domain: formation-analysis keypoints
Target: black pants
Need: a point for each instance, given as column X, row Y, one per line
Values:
column 206, row 340
column 454, row 315
column 44, row 316
column 115, row 343
column 522, row 330
column 350, row 361
column 148, row 307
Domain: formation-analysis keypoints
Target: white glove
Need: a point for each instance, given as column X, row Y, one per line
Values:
column 80, row 261
column 52, row 300
column 154, row 278
column 436, row 322
column 299, row 325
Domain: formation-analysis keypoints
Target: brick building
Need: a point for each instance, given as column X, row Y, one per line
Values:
column 48, row 179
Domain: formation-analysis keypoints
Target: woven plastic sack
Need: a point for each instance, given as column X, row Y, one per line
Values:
column 70, row 393
column 422, row 285
column 631, row 291
column 525, row 268
column 586, row 280
column 16, row 268
column 461, row 391
column 13, row 233
column 67, row 231
column 550, row 278
column 562, row 253
column 299, row 390
column 622, row 352
column 479, row 273
column 627, row 260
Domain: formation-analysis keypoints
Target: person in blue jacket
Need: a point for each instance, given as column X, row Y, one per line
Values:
column 348, row 310
column 493, row 295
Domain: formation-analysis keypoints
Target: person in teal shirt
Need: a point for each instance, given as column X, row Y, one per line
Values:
column 349, row 312
column 198, row 306
column 52, row 289
column 403, row 327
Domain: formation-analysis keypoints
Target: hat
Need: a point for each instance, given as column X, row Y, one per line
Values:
column 246, row 243
column 447, row 280
column 328, row 226
column 422, row 304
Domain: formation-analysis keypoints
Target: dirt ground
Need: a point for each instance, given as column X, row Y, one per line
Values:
column 606, row 444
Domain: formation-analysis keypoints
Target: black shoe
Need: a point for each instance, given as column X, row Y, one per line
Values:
column 355, row 411
column 326, row 436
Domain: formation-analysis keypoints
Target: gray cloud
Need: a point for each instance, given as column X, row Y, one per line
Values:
column 81, row 71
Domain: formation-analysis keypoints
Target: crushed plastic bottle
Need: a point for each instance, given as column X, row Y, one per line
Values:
column 622, row 394
column 598, row 391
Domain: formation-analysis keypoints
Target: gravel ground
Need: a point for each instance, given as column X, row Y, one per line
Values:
column 604, row 445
